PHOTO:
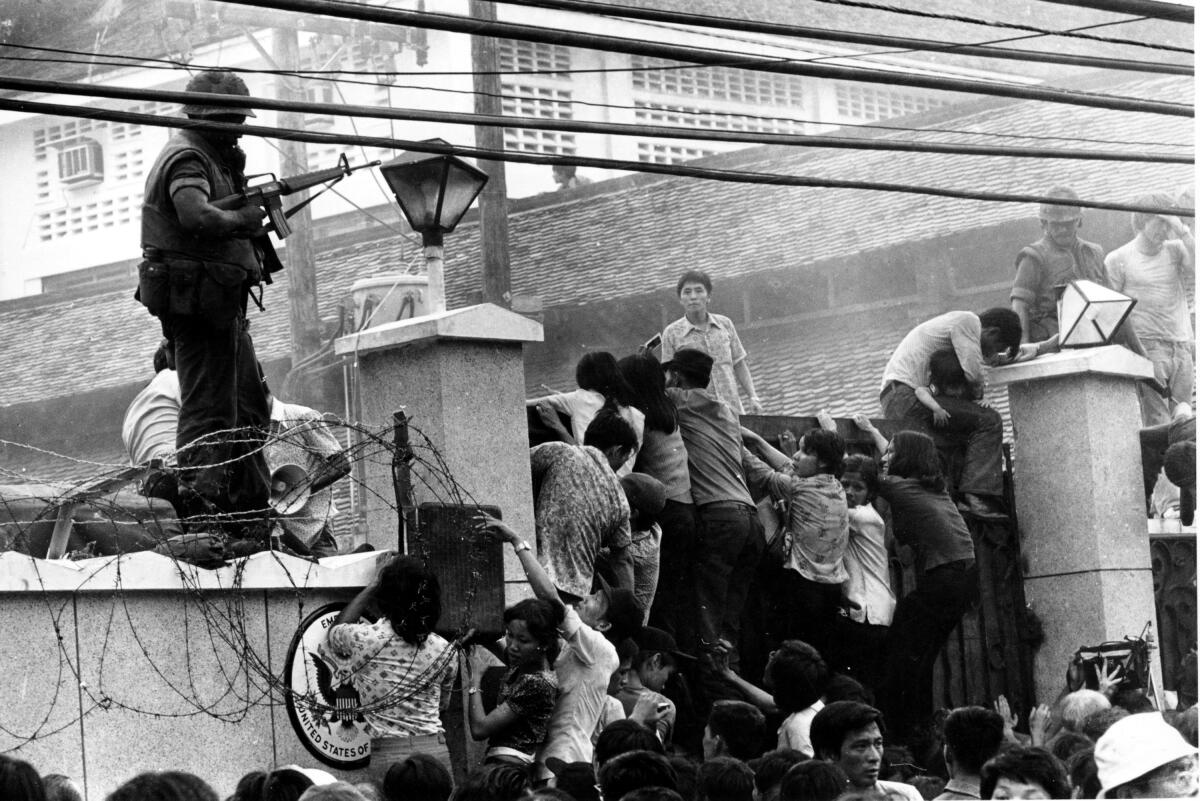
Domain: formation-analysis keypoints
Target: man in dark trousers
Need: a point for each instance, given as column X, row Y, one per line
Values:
column 200, row 262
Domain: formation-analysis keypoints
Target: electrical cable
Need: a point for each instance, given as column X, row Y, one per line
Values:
column 458, row 24
column 1171, row 12
column 583, row 126
column 997, row 24
column 443, row 148
column 851, row 37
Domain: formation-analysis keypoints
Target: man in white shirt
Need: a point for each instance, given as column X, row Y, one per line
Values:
column 847, row 734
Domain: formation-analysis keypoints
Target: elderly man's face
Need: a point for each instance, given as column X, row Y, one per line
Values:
column 1061, row 232
column 1178, row 779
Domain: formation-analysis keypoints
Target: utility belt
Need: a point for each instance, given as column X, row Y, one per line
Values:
column 172, row 283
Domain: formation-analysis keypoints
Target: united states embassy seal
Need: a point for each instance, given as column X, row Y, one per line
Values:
column 326, row 718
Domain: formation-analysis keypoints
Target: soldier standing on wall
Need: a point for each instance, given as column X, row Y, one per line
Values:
column 201, row 262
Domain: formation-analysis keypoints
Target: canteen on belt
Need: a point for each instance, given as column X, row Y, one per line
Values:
column 289, row 489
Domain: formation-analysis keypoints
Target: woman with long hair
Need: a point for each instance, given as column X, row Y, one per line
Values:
column 663, row 456
column 400, row 668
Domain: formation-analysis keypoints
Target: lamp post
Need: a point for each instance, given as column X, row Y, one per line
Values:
column 1089, row 314
column 434, row 192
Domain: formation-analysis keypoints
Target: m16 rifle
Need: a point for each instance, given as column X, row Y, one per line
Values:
column 269, row 194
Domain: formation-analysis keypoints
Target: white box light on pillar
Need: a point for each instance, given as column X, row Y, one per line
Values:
column 1089, row 314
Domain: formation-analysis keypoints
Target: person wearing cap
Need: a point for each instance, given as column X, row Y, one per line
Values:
column 1157, row 267
column 657, row 659
column 200, row 262
column 728, row 545
column 715, row 335
column 1143, row 756
column 587, row 658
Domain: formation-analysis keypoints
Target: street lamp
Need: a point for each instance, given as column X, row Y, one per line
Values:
column 1089, row 314
column 434, row 192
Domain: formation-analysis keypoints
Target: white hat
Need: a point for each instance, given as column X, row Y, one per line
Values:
column 1136, row 745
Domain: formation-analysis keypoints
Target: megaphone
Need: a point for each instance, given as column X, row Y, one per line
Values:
column 289, row 489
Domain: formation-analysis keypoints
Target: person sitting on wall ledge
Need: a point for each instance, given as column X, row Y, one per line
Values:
column 990, row 338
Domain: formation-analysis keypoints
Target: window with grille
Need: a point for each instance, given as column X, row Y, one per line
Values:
column 724, row 83
column 692, row 117
column 869, row 103
column 88, row 217
column 537, row 101
column 514, row 56
column 128, row 165
column 657, row 153
column 80, row 162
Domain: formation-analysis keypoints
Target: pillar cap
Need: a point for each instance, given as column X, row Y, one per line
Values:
column 486, row 321
column 1107, row 360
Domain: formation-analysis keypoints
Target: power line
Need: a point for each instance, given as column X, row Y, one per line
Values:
column 823, row 34
column 323, row 75
column 581, row 126
column 592, row 41
column 680, row 170
column 997, row 24
column 1142, row 8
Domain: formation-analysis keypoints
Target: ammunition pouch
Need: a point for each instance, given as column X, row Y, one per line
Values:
column 177, row 285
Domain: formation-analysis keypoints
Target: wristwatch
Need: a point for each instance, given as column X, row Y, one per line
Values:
column 523, row 546
column 472, row 690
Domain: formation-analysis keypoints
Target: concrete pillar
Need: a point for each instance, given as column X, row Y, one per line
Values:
column 1080, row 507
column 460, row 378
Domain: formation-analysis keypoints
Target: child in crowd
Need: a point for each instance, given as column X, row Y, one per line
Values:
column 600, row 382
column 925, row 517
column 516, row 727
column 867, row 598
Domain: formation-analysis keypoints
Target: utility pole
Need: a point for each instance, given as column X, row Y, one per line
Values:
column 299, row 257
column 493, row 201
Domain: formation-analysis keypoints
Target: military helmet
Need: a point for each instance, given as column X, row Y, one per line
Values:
column 1056, row 213
column 221, row 82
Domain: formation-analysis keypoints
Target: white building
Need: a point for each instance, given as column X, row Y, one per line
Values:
column 70, row 214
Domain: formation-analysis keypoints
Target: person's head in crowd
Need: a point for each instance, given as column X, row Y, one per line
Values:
column 911, row 454
column 1081, row 773
column 167, row 785
column 338, row 791
column 598, row 371
column 1001, row 336
column 497, row 782
column 646, row 496
column 410, row 597
column 813, row 780
column 1061, row 222
column 547, row 794
column 644, row 375
column 796, row 676
column 19, row 781
column 1142, row 756
column 657, row 659
column 61, row 788
column 1185, row 722
column 249, row 787
column 531, row 633
column 1078, row 705
column 860, row 479
column 687, row 774
column 1095, row 724
column 735, row 728
column 972, row 735
column 627, row 649
column 1023, row 772
column 289, row 782
column 849, row 735
column 819, row 452
column 611, row 434
column 576, row 778
column 770, row 768
column 694, row 290
column 841, row 687
column 623, row 736
column 928, row 786
column 946, row 375
column 614, row 611
column 725, row 779
column 419, row 777
column 1065, row 743
column 653, row 794
column 633, row 771
column 689, row 368
column 1132, row 700
column 1152, row 230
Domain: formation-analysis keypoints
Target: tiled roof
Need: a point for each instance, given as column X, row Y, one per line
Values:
column 633, row 235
